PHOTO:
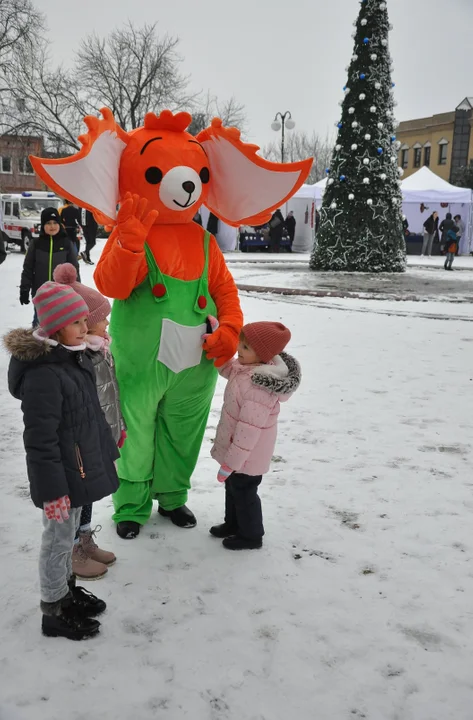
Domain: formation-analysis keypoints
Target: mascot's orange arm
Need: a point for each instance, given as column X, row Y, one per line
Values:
column 119, row 270
column 225, row 295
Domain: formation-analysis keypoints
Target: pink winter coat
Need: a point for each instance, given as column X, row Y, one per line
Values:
column 246, row 433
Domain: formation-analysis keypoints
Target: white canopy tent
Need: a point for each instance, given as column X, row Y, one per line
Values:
column 425, row 192
column 303, row 204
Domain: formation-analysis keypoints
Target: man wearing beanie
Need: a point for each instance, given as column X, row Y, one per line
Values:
column 50, row 249
column 260, row 379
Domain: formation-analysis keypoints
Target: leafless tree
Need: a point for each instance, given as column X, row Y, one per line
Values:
column 132, row 71
column 231, row 112
column 20, row 27
column 44, row 101
column 298, row 146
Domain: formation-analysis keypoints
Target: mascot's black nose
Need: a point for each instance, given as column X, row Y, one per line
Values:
column 188, row 186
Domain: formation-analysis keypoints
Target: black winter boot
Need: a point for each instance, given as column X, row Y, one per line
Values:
column 61, row 619
column 128, row 530
column 236, row 542
column 222, row 531
column 87, row 604
column 182, row 516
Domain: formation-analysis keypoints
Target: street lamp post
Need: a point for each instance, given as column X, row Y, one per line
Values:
column 286, row 123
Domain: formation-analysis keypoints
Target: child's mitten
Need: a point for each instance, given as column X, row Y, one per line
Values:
column 224, row 473
column 58, row 509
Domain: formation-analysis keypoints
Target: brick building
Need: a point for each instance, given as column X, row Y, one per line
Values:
column 16, row 173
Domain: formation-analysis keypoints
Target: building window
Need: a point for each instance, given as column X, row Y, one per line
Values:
column 25, row 166
column 443, row 152
column 5, row 164
column 417, row 157
column 427, row 153
column 405, row 158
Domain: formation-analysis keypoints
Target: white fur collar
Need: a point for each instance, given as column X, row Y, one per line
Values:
column 277, row 368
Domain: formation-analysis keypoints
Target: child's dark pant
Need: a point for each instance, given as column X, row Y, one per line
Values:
column 243, row 505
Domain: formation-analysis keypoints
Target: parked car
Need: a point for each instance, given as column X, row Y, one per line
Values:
column 22, row 215
column 256, row 239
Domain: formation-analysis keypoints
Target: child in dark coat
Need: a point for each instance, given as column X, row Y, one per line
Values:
column 70, row 451
column 451, row 247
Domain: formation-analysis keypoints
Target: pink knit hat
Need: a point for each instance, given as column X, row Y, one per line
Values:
column 99, row 306
column 267, row 339
column 58, row 306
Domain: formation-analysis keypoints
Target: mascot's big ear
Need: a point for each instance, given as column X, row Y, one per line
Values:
column 244, row 188
column 89, row 178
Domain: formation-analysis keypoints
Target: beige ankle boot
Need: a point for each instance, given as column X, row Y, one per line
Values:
column 83, row 567
column 92, row 550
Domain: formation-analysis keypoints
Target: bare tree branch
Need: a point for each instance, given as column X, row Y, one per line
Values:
column 133, row 71
column 298, row 146
column 231, row 112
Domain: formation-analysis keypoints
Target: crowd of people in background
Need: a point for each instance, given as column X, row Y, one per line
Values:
column 448, row 233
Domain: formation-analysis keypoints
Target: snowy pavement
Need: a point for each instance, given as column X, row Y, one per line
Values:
column 360, row 603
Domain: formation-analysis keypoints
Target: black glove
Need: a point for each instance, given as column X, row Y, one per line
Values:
column 24, row 297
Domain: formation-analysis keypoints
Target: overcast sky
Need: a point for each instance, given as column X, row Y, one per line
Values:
column 278, row 55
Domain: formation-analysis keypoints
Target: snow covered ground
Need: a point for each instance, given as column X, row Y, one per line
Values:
column 360, row 603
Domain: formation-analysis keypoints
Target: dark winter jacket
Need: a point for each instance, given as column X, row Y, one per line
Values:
column 44, row 255
column 3, row 252
column 291, row 227
column 445, row 226
column 276, row 228
column 69, row 445
column 107, row 389
column 431, row 226
column 70, row 216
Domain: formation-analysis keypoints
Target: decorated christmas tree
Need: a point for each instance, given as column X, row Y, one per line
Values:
column 361, row 215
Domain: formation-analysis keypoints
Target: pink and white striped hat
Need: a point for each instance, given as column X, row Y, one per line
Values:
column 57, row 306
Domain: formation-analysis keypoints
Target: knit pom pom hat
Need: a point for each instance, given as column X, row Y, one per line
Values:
column 58, row 306
column 99, row 306
column 267, row 339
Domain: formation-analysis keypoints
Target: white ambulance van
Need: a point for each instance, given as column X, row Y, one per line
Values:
column 22, row 215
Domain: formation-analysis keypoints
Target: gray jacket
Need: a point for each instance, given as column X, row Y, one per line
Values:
column 108, row 392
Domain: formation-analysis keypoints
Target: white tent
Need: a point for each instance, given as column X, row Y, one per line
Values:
column 303, row 205
column 425, row 192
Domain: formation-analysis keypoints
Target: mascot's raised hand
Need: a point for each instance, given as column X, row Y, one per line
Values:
column 134, row 221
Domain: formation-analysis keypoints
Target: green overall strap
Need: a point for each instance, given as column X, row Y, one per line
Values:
column 155, row 277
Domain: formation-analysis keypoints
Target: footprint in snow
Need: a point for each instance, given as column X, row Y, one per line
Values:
column 299, row 554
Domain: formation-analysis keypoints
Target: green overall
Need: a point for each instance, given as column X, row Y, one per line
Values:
column 166, row 388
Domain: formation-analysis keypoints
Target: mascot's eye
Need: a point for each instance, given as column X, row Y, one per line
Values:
column 153, row 175
column 204, row 175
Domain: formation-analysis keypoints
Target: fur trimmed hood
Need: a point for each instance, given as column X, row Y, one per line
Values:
column 24, row 346
column 283, row 377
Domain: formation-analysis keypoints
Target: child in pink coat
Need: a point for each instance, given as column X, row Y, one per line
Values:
column 260, row 379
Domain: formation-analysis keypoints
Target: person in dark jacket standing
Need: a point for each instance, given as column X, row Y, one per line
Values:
column 291, row 226
column 70, row 451
column 3, row 251
column 71, row 219
column 431, row 227
column 445, row 226
column 276, row 230
column 44, row 254
column 90, row 227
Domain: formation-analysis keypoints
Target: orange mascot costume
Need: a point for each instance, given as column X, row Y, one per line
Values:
column 167, row 275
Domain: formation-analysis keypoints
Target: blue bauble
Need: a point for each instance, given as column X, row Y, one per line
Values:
column 380, row 151
column 362, row 76
column 327, row 170
column 366, row 41
column 342, row 178
column 393, row 138
column 340, row 125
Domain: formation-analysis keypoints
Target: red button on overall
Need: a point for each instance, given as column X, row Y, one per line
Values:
column 159, row 290
column 202, row 302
